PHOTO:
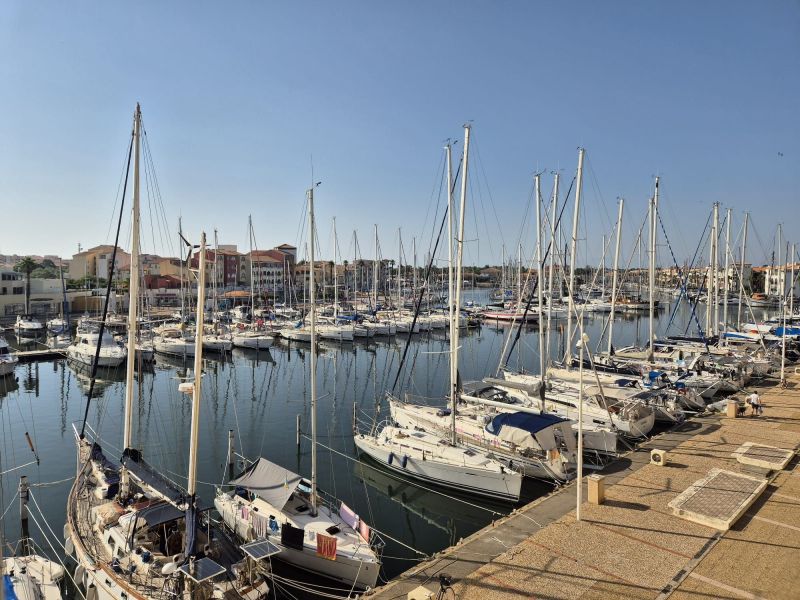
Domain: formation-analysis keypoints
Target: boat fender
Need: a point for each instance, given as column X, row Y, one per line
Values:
column 391, row 458
column 405, row 461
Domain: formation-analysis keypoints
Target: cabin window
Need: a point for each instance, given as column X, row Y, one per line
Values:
column 333, row 530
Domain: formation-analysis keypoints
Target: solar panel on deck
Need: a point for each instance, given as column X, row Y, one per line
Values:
column 204, row 569
column 260, row 549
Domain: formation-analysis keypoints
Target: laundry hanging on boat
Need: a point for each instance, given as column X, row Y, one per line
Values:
column 292, row 537
column 326, row 546
column 349, row 516
column 364, row 530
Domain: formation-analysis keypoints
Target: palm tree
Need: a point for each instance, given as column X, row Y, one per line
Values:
column 27, row 265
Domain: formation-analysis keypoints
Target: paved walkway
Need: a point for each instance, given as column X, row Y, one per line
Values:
column 633, row 546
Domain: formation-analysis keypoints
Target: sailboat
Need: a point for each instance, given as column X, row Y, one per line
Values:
column 8, row 359
column 430, row 456
column 255, row 338
column 133, row 532
column 272, row 505
column 26, row 575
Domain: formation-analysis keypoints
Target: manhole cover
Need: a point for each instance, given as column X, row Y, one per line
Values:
column 718, row 499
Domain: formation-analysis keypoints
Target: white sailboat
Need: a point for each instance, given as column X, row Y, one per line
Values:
column 431, row 456
column 133, row 533
column 283, row 509
column 84, row 349
column 8, row 359
column 252, row 337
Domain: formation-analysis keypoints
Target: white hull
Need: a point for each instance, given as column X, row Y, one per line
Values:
column 296, row 334
column 87, row 358
column 7, row 366
column 471, row 433
column 254, row 342
column 345, row 569
column 176, row 348
column 497, row 483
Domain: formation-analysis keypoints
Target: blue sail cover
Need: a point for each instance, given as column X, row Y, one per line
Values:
column 525, row 421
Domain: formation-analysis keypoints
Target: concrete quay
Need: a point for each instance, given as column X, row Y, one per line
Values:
column 634, row 545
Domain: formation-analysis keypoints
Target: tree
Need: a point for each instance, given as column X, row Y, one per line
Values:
column 26, row 265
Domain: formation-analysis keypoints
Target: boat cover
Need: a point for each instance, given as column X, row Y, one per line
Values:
column 270, row 482
column 521, row 428
column 9, row 588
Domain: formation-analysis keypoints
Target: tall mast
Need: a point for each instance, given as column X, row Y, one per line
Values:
column 519, row 274
column 539, row 272
column 503, row 274
column 414, row 258
column 450, row 291
column 553, row 244
column 313, row 313
column 603, row 271
column 180, row 246
column 778, row 280
column 614, row 276
column 252, row 293
column 459, row 275
column 572, row 256
column 133, row 291
column 715, row 279
column 652, row 271
column 335, row 278
column 375, row 269
column 741, row 272
column 198, row 370
column 727, row 266
column 216, row 275
column 400, row 259
column 709, row 283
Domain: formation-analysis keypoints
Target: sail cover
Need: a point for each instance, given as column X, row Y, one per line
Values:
column 270, row 482
column 524, row 429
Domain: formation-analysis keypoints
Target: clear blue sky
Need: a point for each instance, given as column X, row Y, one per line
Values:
column 238, row 96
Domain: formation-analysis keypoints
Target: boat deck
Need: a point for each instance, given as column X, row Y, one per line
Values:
column 633, row 546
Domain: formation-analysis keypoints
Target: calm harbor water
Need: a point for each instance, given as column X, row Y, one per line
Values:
column 258, row 395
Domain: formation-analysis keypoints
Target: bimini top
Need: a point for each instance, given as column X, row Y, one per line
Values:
column 270, row 482
column 525, row 421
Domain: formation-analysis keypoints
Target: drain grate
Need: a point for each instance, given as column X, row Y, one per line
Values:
column 718, row 499
column 768, row 457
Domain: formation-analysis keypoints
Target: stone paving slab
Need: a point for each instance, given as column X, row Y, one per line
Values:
column 718, row 499
column 768, row 457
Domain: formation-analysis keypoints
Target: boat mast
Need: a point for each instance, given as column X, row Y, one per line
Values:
column 779, row 285
column 133, row 295
column 450, row 292
column 399, row 265
column 519, row 275
column 709, row 280
column 726, row 289
column 414, row 259
column 741, row 272
column 715, row 255
column 459, row 275
column 252, row 292
column 539, row 272
column 503, row 275
column 553, row 245
column 191, row 488
column 572, row 257
column 313, row 314
column 652, row 272
column 375, row 270
column 335, row 278
column 614, row 276
column 180, row 245
column 783, row 311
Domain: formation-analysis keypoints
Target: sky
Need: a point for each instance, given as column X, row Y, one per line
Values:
column 246, row 103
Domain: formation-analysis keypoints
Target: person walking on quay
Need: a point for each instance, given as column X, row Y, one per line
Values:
column 755, row 403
